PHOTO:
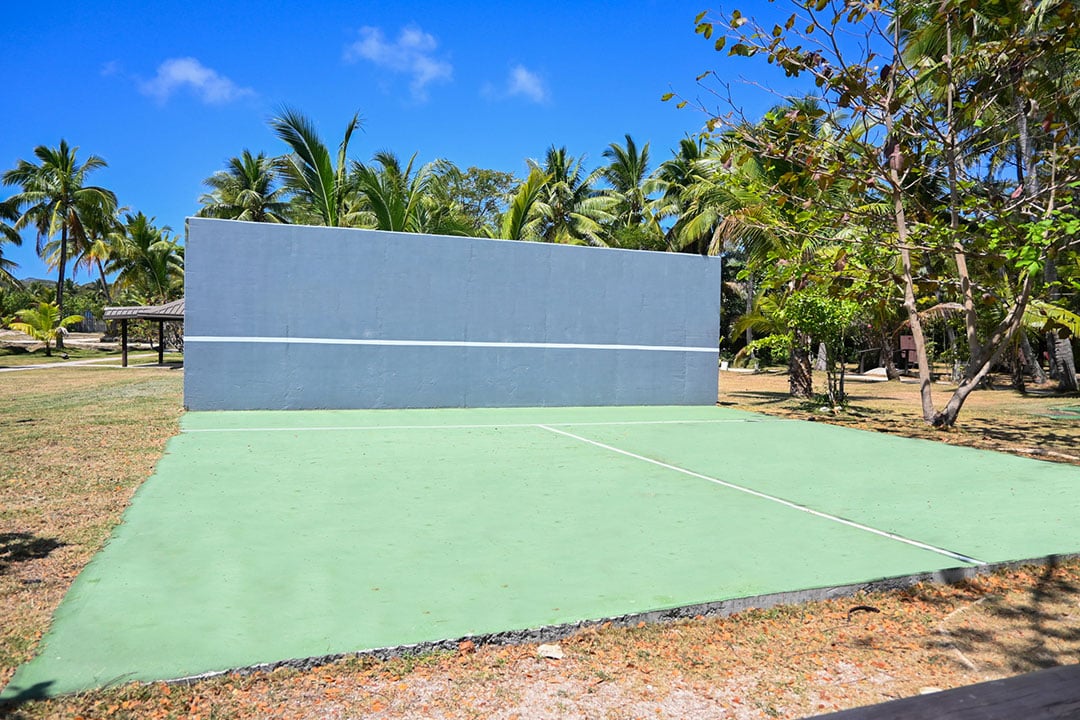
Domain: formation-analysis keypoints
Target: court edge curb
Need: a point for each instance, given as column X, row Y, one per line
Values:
column 720, row 608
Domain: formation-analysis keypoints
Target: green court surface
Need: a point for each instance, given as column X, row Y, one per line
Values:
column 269, row 536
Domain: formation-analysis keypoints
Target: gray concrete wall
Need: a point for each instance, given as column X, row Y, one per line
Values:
column 294, row 317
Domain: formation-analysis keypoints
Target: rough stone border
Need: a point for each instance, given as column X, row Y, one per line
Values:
column 720, row 608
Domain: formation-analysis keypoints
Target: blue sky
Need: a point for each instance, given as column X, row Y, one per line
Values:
column 167, row 91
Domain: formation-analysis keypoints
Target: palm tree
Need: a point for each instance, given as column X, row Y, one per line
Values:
column 390, row 197
column 750, row 195
column 92, row 250
column 245, row 190
column 54, row 198
column 525, row 214
column 44, row 323
column 149, row 263
column 575, row 211
column 675, row 180
column 627, row 173
column 319, row 185
column 8, row 234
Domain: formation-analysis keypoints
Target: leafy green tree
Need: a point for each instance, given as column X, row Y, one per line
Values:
column 54, row 198
column 247, row 189
column 319, row 184
column 913, row 120
column 1035, row 86
column 478, row 195
column 761, row 202
column 44, row 323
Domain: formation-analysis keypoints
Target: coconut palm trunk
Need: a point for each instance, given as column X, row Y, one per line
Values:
column 60, row 281
column 800, row 376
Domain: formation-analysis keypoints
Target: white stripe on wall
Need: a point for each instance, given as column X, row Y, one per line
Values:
column 441, row 343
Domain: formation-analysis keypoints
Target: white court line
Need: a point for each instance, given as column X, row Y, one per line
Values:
column 772, row 498
column 440, row 343
column 469, row 427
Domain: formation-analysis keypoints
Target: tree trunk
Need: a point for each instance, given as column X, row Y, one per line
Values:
column 1016, row 369
column 896, row 162
column 60, row 282
column 1062, row 360
column 800, row 377
column 749, row 304
column 1031, row 361
column 104, row 282
column 979, row 365
column 821, row 361
column 888, row 350
column 1064, row 363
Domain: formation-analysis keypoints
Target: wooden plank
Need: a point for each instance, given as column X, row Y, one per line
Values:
column 1043, row 695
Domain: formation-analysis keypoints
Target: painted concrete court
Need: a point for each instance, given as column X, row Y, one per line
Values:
column 267, row 536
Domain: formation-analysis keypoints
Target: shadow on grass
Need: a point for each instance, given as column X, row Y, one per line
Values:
column 762, row 396
column 20, row 547
column 1041, row 635
column 9, row 706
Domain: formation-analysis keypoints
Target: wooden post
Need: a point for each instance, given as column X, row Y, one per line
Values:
column 123, row 341
column 161, row 342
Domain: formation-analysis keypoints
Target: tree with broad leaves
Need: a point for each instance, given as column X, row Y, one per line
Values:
column 909, row 119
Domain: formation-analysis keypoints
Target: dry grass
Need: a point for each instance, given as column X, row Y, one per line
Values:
column 77, row 443
column 998, row 418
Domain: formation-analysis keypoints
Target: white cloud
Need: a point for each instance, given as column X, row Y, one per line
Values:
column 413, row 53
column 527, row 84
column 178, row 73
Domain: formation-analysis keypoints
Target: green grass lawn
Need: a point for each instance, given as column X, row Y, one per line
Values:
column 18, row 357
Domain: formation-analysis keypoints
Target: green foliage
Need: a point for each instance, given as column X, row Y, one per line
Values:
column 390, row 197
column 149, row 262
column 247, row 189
column 822, row 317
column 948, row 139
column 525, row 214
column 8, row 235
column 43, row 323
column 569, row 209
column 478, row 195
column 55, row 199
column 319, row 184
